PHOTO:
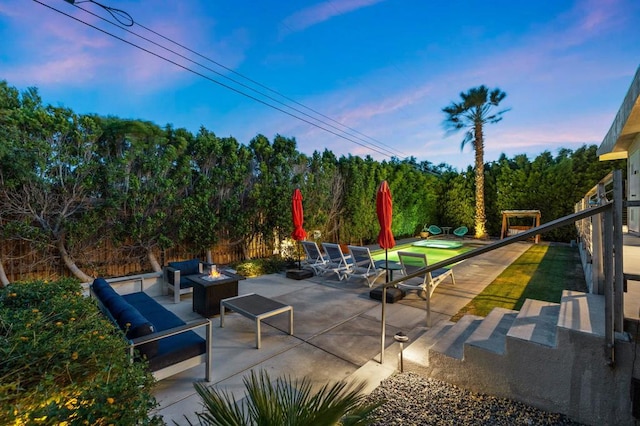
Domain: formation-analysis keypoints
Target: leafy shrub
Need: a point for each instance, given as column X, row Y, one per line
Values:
column 256, row 267
column 285, row 401
column 63, row 362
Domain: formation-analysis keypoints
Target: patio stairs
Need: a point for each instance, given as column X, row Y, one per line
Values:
column 548, row 355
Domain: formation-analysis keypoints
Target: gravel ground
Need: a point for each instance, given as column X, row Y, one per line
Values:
column 414, row 400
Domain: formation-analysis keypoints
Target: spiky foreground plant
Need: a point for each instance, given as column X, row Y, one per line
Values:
column 285, row 401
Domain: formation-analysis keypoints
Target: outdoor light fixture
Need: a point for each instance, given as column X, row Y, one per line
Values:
column 401, row 338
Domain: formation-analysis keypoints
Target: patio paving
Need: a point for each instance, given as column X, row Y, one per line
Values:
column 336, row 332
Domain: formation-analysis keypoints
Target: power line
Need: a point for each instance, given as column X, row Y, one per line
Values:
column 394, row 152
column 271, row 90
column 342, row 133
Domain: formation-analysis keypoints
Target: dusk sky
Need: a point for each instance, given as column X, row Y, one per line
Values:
column 385, row 68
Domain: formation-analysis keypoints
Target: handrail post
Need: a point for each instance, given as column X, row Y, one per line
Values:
column 617, row 247
column 609, row 304
column 597, row 252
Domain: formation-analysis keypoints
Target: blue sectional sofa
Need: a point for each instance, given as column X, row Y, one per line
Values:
column 169, row 344
column 176, row 277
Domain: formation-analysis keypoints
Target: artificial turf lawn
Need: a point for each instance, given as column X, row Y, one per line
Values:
column 434, row 255
column 541, row 273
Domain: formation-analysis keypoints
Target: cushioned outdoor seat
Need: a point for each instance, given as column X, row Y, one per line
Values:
column 434, row 230
column 166, row 354
column 461, row 231
column 179, row 272
column 167, row 343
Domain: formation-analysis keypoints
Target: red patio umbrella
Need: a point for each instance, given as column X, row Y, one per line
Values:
column 297, row 213
column 384, row 209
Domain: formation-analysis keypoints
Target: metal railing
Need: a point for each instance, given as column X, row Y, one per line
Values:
column 611, row 219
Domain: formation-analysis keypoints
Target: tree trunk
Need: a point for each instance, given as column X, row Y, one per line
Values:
column 70, row 263
column 4, row 281
column 481, row 218
column 153, row 260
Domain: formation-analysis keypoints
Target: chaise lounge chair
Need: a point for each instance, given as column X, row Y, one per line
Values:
column 315, row 260
column 337, row 262
column 363, row 265
column 427, row 283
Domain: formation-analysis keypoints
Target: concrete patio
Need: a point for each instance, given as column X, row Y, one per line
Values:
column 336, row 331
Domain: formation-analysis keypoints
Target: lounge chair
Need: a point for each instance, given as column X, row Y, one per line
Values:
column 434, row 230
column 337, row 262
column 427, row 283
column 461, row 231
column 363, row 265
column 315, row 260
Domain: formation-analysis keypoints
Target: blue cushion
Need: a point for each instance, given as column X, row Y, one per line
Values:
column 98, row 285
column 133, row 323
column 130, row 320
column 115, row 304
column 185, row 282
column 170, row 350
column 187, row 267
column 174, row 349
column 106, row 294
column 158, row 315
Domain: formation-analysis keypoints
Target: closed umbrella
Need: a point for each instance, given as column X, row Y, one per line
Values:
column 384, row 209
column 297, row 213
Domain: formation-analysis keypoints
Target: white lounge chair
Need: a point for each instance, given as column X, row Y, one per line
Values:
column 337, row 262
column 315, row 260
column 427, row 283
column 363, row 265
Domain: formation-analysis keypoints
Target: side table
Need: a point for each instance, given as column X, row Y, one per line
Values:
column 208, row 294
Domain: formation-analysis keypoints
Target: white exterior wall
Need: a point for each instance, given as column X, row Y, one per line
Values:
column 633, row 181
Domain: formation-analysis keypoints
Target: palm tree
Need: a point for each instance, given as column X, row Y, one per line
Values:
column 287, row 402
column 474, row 111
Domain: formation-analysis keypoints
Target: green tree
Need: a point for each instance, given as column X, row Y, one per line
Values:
column 322, row 188
column 144, row 173
column 473, row 112
column 274, row 172
column 47, row 177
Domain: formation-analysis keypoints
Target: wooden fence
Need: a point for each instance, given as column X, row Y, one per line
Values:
column 23, row 261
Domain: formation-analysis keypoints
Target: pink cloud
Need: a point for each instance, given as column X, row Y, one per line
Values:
column 321, row 12
column 72, row 53
column 387, row 105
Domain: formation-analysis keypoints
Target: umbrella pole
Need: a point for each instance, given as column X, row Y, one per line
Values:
column 299, row 256
column 386, row 263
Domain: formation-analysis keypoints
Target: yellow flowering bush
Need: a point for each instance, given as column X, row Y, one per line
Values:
column 64, row 363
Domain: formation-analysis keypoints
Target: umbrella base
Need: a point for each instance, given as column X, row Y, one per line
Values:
column 299, row 274
column 393, row 294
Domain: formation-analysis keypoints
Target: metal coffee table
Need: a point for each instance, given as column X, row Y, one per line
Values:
column 257, row 308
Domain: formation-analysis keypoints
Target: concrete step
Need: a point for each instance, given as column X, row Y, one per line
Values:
column 417, row 351
column 491, row 334
column 451, row 343
column 582, row 312
column 537, row 323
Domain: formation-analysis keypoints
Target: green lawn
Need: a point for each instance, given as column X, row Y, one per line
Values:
column 434, row 255
column 541, row 273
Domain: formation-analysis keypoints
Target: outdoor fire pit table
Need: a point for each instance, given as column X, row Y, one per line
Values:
column 257, row 308
column 208, row 292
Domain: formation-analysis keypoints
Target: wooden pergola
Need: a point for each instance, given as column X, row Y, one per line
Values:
column 509, row 230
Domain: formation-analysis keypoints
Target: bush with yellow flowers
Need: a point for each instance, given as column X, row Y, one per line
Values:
column 63, row 362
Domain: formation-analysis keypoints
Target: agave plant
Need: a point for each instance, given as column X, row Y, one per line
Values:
column 286, row 401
